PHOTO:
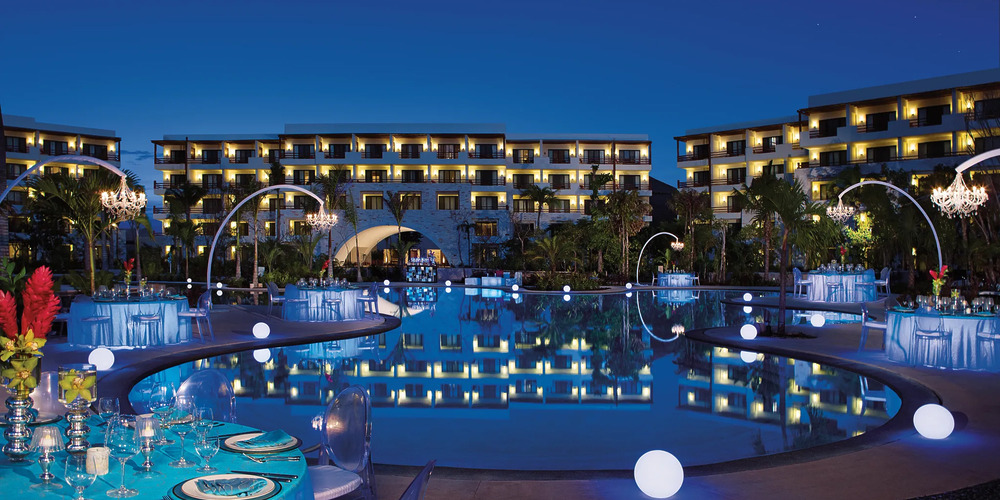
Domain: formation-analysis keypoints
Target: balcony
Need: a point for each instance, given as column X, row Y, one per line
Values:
column 178, row 161
column 17, row 148
column 522, row 185
column 926, row 121
column 447, row 155
column 339, row 155
column 239, row 159
column 529, row 160
column 194, row 211
column 633, row 161
column 490, row 206
column 693, row 157
column 865, row 128
column 409, row 155
column 295, row 155
column 816, row 134
column 624, row 186
column 498, row 155
column 54, row 152
column 559, row 185
column 559, row 159
column 757, row 150
column 500, row 181
column 726, row 210
column 370, row 155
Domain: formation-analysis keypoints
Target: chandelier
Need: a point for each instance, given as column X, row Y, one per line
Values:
column 841, row 212
column 323, row 221
column 677, row 246
column 958, row 199
column 677, row 329
column 123, row 203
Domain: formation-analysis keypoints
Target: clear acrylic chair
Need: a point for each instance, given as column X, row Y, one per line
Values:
column 418, row 487
column 147, row 329
column 211, row 389
column 868, row 323
column 273, row 296
column 933, row 342
column 799, row 284
column 99, row 327
column 883, row 281
column 832, row 289
column 201, row 313
column 346, row 442
column 368, row 302
column 861, row 286
column 332, row 308
column 986, row 345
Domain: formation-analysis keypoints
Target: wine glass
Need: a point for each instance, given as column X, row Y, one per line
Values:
column 206, row 447
column 77, row 476
column 184, row 417
column 107, row 408
column 204, row 421
column 161, row 403
column 124, row 445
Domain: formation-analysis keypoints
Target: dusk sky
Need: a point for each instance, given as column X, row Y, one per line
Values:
column 657, row 67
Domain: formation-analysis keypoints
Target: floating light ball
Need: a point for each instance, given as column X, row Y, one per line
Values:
column 748, row 356
column 515, row 287
column 261, row 330
column 262, row 355
column 566, row 297
column 747, row 309
column 747, row 297
column 386, row 282
column 748, row 331
column 628, row 285
column 102, row 358
column 189, row 286
column 515, row 296
column 189, row 280
column 933, row 421
column 218, row 285
column 385, row 290
column 447, row 282
column 447, row 289
column 566, row 288
column 659, row 474
column 219, row 293
column 817, row 320
column 628, row 294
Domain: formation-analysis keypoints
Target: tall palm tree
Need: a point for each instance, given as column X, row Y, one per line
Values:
column 186, row 232
column 397, row 205
column 539, row 195
column 794, row 211
column 756, row 198
column 277, row 178
column 691, row 207
column 251, row 213
column 625, row 211
column 552, row 250
column 351, row 215
column 180, row 200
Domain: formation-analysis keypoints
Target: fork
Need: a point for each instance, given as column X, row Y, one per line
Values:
column 261, row 460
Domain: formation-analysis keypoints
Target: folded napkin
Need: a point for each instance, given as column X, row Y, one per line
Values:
column 267, row 440
column 235, row 487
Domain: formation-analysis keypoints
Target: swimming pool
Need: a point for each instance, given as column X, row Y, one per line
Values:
column 484, row 379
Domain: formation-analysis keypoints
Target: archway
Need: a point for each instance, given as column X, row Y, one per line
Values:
column 370, row 237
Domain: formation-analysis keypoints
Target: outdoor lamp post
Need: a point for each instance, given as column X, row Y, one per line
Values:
column 677, row 245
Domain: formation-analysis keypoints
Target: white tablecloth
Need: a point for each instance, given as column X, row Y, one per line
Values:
column 315, row 309
column 121, row 332
column 674, row 279
column 818, row 292
column 900, row 343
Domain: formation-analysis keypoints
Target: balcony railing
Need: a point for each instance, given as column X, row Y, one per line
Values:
column 371, row 154
column 489, row 206
column 54, row 152
column 409, row 155
column 239, row 159
column 692, row 157
column 726, row 210
column 763, row 149
column 499, row 155
column 335, row 154
column 296, row 155
column 528, row 160
column 500, row 181
column 17, row 148
column 625, row 186
column 633, row 161
column 925, row 121
column 559, row 185
column 194, row 211
column 864, row 128
column 178, row 161
column 694, row 183
column 816, row 134
column 561, row 159
column 447, row 155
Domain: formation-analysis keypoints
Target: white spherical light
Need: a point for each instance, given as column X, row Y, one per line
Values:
column 566, row 298
column 659, row 474
column 628, row 285
column 447, row 289
column 189, row 280
column 747, row 297
column 102, row 358
column 386, row 282
column 261, row 330
column 218, row 285
column 566, row 288
column 933, row 421
column 817, row 320
column 515, row 287
column 219, row 293
column 748, row 356
column 748, row 331
column 628, row 294
column 189, row 286
column 747, row 309
column 262, row 355
column 515, row 296
column 385, row 290
column 447, row 282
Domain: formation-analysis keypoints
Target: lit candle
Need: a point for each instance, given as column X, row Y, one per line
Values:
column 147, row 432
column 46, row 442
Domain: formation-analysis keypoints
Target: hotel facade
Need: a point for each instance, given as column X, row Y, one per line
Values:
column 911, row 126
column 461, row 182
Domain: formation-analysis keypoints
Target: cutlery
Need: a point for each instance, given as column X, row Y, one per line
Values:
column 282, row 478
column 265, row 459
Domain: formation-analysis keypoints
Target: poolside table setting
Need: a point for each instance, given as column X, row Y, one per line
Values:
column 128, row 320
column 675, row 279
column 843, row 279
column 318, row 300
column 942, row 332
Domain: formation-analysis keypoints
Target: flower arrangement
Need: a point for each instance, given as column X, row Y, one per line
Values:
column 127, row 267
column 937, row 279
column 326, row 265
column 24, row 344
column 843, row 252
column 77, row 384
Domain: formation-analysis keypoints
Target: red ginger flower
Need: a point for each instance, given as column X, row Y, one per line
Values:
column 128, row 264
column 326, row 264
column 40, row 304
column 8, row 314
column 936, row 275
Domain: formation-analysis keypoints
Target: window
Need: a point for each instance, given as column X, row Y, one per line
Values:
column 56, row 170
column 770, row 143
column 415, row 390
column 416, row 176
column 492, row 391
column 410, row 150
column 301, row 228
column 449, row 176
column 307, row 203
column 243, row 228
column 375, row 176
column 211, row 181
column 558, row 206
column 486, row 203
column 825, row 192
column 16, row 198
column 448, row 151
column 54, row 148
column 486, row 151
column 522, row 181
column 701, row 178
column 562, row 387
column 14, row 170
column 16, row 144
column 935, row 149
column 832, row 158
column 558, row 156
column 339, row 150
column 273, row 204
column 491, row 366
column 414, row 341
column 984, row 144
column 411, row 201
column 486, row 178
column 877, row 122
column 211, row 156
column 736, row 148
column 524, row 205
column 524, row 227
column 562, row 362
column 95, row 151
column 699, row 151
column 447, row 202
column 987, row 109
column 211, row 205
column 629, row 156
column 524, row 156
column 243, row 179
column 630, row 181
column 736, row 176
column 451, row 342
column 303, row 177
column 526, row 387
column 303, row 151
column 452, row 367
column 373, row 202
column 452, row 391
column 828, row 127
column 242, row 155
column 486, row 228
column 177, row 156
column 774, row 169
column 523, row 362
column 832, row 397
column 380, row 390
column 932, row 115
column 559, row 181
column 880, row 154
column 733, row 204
column 593, row 156
column 374, row 150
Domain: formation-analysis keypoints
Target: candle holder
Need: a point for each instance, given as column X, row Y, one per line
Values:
column 46, row 440
column 148, row 432
column 17, row 433
column 77, row 390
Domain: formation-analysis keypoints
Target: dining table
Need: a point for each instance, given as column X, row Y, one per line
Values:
column 293, row 477
column 819, row 292
column 674, row 279
column 315, row 307
column 115, row 324
column 900, row 337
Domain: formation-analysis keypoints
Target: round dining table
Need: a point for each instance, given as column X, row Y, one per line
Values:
column 112, row 322
column 315, row 306
column 17, row 479
column 819, row 292
column 674, row 279
column 900, row 338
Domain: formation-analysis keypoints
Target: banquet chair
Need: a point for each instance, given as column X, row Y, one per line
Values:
column 332, row 308
column 148, row 329
column 871, row 395
column 273, row 296
column 798, row 283
column 986, row 345
column 201, row 313
column 695, row 280
column 868, row 323
column 99, row 325
column 867, row 281
column 211, row 389
column 832, row 289
column 346, row 442
column 883, row 280
column 930, row 333
column 369, row 302
column 418, row 487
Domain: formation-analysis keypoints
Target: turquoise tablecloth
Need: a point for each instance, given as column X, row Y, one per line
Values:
column 900, row 345
column 315, row 309
column 121, row 332
column 674, row 279
column 847, row 293
column 17, row 479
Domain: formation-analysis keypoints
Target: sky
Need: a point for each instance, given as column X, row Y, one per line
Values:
column 656, row 67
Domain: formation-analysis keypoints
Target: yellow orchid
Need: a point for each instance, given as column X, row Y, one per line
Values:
column 75, row 385
column 21, row 372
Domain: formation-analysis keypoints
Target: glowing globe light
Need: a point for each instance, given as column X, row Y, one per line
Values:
column 386, row 282
column 515, row 287
column 659, row 474
column 102, row 358
column 748, row 331
column 628, row 285
column 189, row 280
column 219, row 293
column 261, row 330
column 747, row 309
column 933, row 421
column 817, row 320
column 747, row 297
column 189, row 286
column 447, row 282
column 447, row 289
column 262, row 355
column 566, row 297
column 385, row 290
column 515, row 296
column 218, row 285
column 748, row 356
column 566, row 288
column 628, row 294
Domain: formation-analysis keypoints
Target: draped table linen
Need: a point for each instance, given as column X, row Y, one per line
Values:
column 316, row 310
column 674, row 279
column 847, row 293
column 122, row 332
column 900, row 343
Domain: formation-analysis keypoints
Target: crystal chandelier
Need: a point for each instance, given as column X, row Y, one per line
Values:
column 677, row 246
column 323, row 220
column 123, row 203
column 958, row 199
column 841, row 212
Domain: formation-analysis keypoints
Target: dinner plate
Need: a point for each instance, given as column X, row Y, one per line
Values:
column 230, row 444
column 188, row 490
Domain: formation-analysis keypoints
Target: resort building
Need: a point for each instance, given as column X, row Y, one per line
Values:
column 911, row 126
column 461, row 183
column 28, row 143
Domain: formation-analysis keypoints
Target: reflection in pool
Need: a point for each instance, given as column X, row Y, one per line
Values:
column 534, row 382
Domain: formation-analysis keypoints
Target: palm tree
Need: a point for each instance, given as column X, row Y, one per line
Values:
column 351, row 215
column 397, row 205
column 757, row 199
column 691, row 207
column 794, row 210
column 539, row 195
column 251, row 212
column 180, row 200
column 277, row 178
column 185, row 231
column 551, row 250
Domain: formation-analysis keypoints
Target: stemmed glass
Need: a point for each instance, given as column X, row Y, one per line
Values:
column 124, row 445
column 206, row 447
column 161, row 403
column 107, row 408
column 184, row 422
column 77, row 476
column 203, row 422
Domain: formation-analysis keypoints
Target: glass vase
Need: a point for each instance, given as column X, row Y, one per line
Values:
column 77, row 390
column 19, row 416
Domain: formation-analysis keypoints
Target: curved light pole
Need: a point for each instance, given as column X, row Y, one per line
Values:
column 958, row 199
column 72, row 159
column 321, row 219
column 677, row 245
column 841, row 212
column 674, row 330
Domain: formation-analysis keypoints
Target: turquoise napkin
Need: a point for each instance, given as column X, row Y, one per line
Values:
column 236, row 487
column 267, row 440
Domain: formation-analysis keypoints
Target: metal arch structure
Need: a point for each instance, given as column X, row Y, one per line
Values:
column 840, row 199
column 222, row 226
column 967, row 164
column 61, row 159
column 645, row 327
column 639, row 260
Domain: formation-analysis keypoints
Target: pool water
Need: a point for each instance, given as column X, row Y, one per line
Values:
column 491, row 380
